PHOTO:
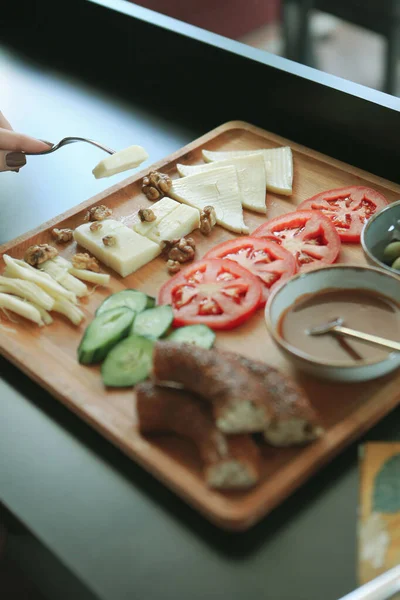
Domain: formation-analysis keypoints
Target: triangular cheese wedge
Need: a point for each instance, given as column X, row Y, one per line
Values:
column 278, row 165
column 251, row 178
column 218, row 188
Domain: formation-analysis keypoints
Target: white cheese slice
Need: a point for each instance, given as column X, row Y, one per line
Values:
column 177, row 224
column 58, row 268
column 161, row 209
column 218, row 188
column 130, row 252
column 21, row 307
column 125, row 159
column 278, row 165
column 251, row 176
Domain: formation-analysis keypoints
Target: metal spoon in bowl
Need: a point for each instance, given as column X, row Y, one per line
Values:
column 336, row 326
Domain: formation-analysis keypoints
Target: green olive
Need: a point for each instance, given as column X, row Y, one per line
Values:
column 391, row 252
column 396, row 264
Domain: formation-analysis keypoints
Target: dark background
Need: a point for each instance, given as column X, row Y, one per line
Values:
column 93, row 521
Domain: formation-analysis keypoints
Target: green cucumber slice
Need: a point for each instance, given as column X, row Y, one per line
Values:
column 151, row 302
column 200, row 335
column 103, row 333
column 129, row 362
column 133, row 299
column 153, row 322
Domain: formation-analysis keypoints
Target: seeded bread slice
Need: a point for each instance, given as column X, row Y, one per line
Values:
column 228, row 462
column 235, row 394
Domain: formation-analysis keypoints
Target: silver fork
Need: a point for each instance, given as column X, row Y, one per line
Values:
column 65, row 142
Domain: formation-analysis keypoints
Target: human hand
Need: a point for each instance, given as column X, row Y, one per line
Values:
column 13, row 144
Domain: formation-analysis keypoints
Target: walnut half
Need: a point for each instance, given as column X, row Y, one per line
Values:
column 173, row 267
column 208, row 219
column 38, row 254
column 62, row 236
column 83, row 260
column 98, row 213
column 95, row 226
column 156, row 185
column 146, row 215
column 180, row 250
column 109, row 240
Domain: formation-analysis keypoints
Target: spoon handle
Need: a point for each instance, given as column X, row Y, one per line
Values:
column 368, row 337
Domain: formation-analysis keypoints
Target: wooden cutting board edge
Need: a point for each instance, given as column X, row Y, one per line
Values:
column 233, row 518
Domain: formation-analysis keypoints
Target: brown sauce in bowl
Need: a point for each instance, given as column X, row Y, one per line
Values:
column 365, row 311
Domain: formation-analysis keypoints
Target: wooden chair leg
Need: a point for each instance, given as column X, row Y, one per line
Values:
column 304, row 40
column 392, row 54
column 289, row 29
column 297, row 40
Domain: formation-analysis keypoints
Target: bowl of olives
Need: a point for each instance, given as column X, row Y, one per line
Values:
column 380, row 238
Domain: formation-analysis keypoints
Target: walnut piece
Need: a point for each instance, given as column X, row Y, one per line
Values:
column 98, row 213
column 208, row 219
column 95, row 226
column 151, row 192
column 147, row 215
column 190, row 242
column 38, row 254
column 85, row 261
column 173, row 266
column 156, row 185
column 181, row 249
column 109, row 240
column 62, row 236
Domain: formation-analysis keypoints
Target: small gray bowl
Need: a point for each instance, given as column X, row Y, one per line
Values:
column 377, row 233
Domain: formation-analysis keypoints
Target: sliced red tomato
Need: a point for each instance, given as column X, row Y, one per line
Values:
column 217, row 293
column 307, row 234
column 348, row 208
column 271, row 263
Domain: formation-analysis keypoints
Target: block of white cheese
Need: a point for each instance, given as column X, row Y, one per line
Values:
column 251, row 176
column 130, row 252
column 218, row 188
column 161, row 209
column 128, row 158
column 177, row 224
column 278, row 165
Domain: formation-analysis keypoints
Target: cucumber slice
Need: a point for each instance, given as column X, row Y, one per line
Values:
column 133, row 299
column 103, row 333
column 153, row 322
column 200, row 335
column 129, row 362
column 151, row 302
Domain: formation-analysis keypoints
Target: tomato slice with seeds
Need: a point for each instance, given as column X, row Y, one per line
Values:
column 348, row 208
column 272, row 264
column 218, row 293
column 307, row 234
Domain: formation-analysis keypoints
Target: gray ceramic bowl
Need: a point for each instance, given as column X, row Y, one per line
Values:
column 332, row 277
column 377, row 233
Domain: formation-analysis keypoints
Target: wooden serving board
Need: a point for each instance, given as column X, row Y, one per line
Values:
column 48, row 355
column 379, row 509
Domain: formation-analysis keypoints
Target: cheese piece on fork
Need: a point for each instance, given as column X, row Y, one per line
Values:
column 251, row 177
column 278, row 165
column 130, row 251
column 128, row 158
column 218, row 188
